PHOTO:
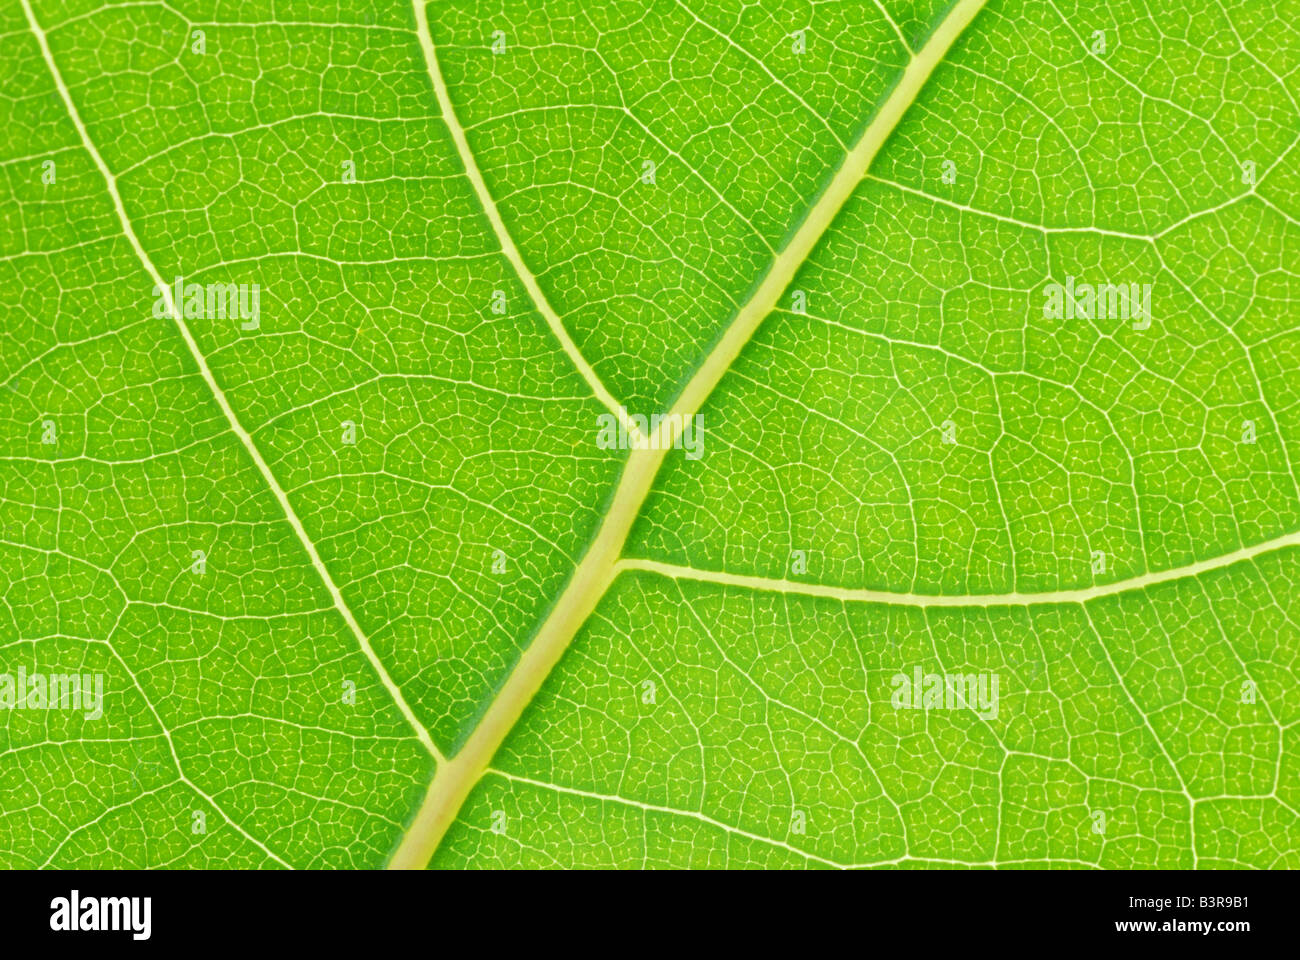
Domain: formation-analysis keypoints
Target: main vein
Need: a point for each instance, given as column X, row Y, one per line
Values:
column 598, row 567
column 165, row 290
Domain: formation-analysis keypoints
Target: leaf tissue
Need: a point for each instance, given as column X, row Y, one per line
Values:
column 665, row 433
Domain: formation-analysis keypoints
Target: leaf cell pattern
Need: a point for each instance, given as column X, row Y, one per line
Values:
column 364, row 588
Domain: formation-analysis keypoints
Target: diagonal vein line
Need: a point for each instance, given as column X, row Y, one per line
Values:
column 793, row 255
column 503, row 236
column 243, row 435
column 670, row 812
column 596, row 571
column 176, row 757
column 858, row 595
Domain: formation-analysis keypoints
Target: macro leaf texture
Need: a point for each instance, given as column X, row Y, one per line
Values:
column 939, row 343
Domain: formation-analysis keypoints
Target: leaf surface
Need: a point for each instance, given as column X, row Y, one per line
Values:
column 431, row 619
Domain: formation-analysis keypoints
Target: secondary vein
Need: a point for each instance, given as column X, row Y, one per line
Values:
column 861, row 595
column 206, row 372
column 508, row 248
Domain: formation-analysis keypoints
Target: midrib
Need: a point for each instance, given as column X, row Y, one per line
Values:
column 455, row 778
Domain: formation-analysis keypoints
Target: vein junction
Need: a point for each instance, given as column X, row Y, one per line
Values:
column 600, row 565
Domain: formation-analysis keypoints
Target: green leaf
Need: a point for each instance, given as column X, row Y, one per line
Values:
column 909, row 551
